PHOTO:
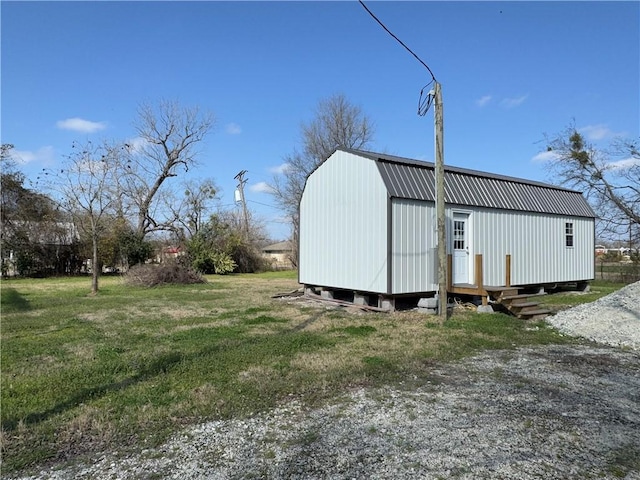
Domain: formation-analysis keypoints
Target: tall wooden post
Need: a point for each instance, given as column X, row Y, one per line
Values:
column 240, row 198
column 440, row 212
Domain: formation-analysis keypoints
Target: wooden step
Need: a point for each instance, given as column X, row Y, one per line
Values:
column 533, row 313
column 522, row 295
column 523, row 304
column 527, row 310
column 520, row 305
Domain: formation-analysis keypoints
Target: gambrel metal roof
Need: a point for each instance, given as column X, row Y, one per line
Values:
column 413, row 179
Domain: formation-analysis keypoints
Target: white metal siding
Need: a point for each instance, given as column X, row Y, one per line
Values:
column 413, row 254
column 343, row 226
column 536, row 244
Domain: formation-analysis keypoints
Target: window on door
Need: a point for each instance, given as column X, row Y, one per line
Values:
column 458, row 235
column 568, row 234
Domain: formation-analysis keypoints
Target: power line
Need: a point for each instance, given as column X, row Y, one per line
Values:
column 264, row 204
column 425, row 101
column 433, row 77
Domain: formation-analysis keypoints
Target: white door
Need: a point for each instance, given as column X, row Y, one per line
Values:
column 461, row 248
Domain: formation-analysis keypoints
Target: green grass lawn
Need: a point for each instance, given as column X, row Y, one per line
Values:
column 567, row 299
column 130, row 366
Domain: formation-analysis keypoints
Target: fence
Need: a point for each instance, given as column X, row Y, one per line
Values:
column 618, row 272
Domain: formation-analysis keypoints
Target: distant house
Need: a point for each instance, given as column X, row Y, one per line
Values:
column 279, row 255
column 167, row 253
column 53, row 242
column 368, row 225
column 43, row 233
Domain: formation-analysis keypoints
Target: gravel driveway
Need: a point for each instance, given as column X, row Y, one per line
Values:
column 553, row 412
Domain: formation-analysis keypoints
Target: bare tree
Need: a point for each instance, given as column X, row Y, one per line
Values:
column 85, row 184
column 337, row 123
column 5, row 152
column 609, row 178
column 168, row 138
column 190, row 211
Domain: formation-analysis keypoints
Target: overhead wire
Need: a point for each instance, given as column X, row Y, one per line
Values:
column 426, row 100
column 263, row 204
column 433, row 77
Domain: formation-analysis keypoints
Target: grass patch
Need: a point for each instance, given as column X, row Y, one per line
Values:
column 133, row 365
column 13, row 301
column 567, row 299
column 264, row 319
column 357, row 331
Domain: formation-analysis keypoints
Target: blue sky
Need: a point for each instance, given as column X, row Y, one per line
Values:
column 510, row 72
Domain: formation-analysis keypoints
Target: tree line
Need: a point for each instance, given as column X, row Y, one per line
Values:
column 115, row 198
column 112, row 201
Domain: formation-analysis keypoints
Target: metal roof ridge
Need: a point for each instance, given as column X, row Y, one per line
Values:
column 383, row 157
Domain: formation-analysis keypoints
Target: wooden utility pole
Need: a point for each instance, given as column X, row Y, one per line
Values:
column 440, row 212
column 240, row 198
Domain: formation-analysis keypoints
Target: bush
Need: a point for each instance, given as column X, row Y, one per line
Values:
column 222, row 263
column 221, row 248
column 166, row 274
column 134, row 249
column 611, row 256
column 248, row 259
column 214, row 262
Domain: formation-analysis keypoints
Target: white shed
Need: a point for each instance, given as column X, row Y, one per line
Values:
column 368, row 225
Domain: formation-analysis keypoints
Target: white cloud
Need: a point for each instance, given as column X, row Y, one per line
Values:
column 624, row 164
column 544, row 157
column 80, row 125
column 514, row 101
column 233, row 129
column 136, row 144
column 283, row 167
column 599, row 132
column 483, row 101
column 261, row 187
column 44, row 156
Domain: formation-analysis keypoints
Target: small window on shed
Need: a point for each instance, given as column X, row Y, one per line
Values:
column 458, row 235
column 568, row 234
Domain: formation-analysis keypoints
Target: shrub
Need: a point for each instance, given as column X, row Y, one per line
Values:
column 611, row 256
column 248, row 259
column 214, row 262
column 222, row 263
column 171, row 273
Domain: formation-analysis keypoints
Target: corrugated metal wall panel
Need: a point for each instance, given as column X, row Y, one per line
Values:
column 536, row 244
column 343, row 226
column 413, row 246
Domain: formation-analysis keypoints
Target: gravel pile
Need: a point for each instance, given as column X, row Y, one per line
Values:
column 611, row 320
column 552, row 412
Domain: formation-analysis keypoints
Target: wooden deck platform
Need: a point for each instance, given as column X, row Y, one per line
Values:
column 519, row 304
